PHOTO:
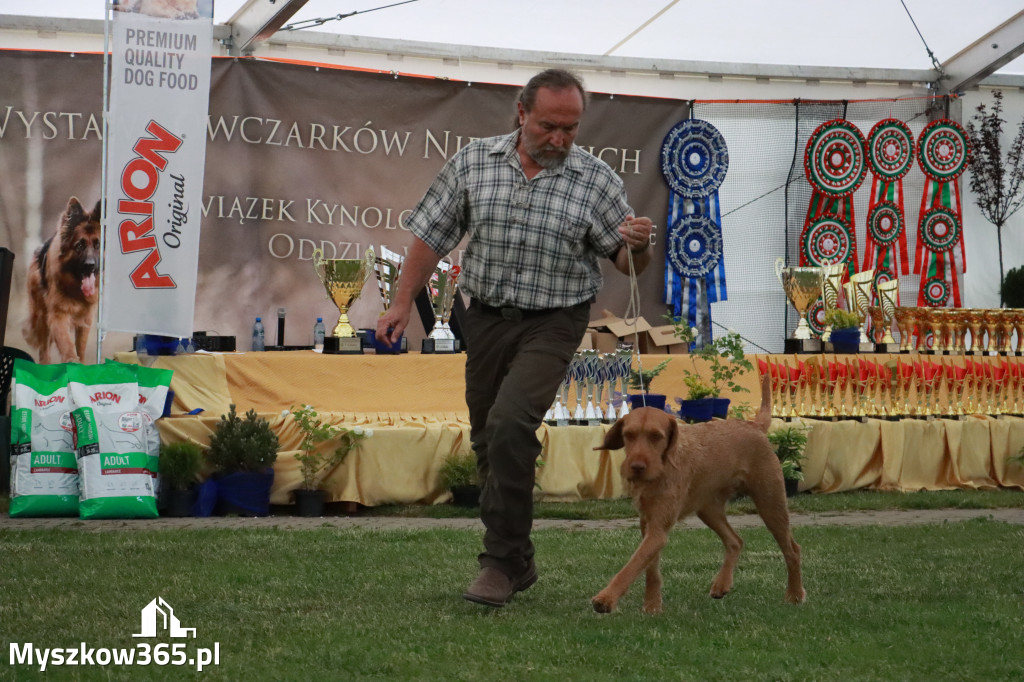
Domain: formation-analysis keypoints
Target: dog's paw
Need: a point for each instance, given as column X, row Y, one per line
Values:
column 720, row 588
column 603, row 603
column 797, row 598
column 652, row 607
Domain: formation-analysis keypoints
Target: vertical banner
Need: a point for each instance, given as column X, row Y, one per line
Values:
column 156, row 154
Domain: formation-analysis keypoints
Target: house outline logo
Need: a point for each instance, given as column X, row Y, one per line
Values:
column 160, row 610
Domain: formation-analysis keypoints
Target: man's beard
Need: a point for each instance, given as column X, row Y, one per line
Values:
column 548, row 156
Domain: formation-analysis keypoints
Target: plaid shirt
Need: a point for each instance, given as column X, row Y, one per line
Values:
column 532, row 243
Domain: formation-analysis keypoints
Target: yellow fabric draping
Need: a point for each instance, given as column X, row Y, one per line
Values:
column 912, row 454
column 415, row 405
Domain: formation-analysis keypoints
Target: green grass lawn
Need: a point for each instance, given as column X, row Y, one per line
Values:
column 933, row 602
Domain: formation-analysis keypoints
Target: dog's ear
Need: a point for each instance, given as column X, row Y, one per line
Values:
column 97, row 213
column 73, row 215
column 673, row 437
column 613, row 439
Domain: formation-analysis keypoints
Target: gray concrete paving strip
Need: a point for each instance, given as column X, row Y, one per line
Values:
column 864, row 518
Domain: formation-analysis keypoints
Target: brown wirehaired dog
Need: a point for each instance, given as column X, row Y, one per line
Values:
column 674, row 470
column 62, row 291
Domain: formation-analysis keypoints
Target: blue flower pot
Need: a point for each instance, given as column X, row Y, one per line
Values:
column 655, row 400
column 720, row 408
column 697, row 410
column 246, row 493
column 845, row 340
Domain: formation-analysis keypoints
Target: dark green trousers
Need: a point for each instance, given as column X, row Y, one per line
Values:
column 513, row 369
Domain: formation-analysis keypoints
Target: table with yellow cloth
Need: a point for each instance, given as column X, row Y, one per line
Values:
column 415, row 406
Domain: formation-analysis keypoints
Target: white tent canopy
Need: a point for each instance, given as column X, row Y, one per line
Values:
column 681, row 49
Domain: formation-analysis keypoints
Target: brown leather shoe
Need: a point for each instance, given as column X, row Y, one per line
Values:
column 494, row 588
column 491, row 588
column 528, row 577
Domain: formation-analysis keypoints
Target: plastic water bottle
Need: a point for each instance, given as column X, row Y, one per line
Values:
column 257, row 335
column 318, row 334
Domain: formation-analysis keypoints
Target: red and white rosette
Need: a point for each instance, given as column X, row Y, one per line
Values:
column 890, row 154
column 943, row 151
column 835, row 165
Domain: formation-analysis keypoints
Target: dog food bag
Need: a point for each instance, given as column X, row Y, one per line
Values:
column 44, row 471
column 153, row 386
column 110, row 443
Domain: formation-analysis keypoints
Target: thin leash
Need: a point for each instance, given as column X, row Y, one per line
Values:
column 630, row 318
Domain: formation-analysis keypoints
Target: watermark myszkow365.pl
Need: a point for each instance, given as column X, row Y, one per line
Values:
column 156, row 615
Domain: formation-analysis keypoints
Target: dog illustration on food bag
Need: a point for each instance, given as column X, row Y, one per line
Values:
column 62, row 285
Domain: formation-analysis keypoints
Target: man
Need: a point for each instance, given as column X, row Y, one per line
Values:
column 540, row 213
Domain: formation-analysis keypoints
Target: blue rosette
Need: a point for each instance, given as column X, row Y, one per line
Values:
column 694, row 161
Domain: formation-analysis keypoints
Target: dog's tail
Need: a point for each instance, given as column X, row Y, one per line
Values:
column 764, row 413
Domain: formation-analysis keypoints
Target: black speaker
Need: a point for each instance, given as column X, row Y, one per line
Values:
column 6, row 270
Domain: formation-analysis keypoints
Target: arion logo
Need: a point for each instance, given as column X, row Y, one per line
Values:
column 159, row 613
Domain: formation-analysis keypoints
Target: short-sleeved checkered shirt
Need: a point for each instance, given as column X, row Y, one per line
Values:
column 533, row 244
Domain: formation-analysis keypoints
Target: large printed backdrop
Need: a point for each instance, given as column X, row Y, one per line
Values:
column 297, row 157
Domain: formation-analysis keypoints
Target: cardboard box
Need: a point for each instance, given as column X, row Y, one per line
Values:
column 664, row 340
column 587, row 342
column 610, row 329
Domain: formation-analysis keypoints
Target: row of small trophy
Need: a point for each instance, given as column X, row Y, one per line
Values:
column 956, row 331
column 897, row 388
column 805, row 285
column 344, row 279
column 600, row 383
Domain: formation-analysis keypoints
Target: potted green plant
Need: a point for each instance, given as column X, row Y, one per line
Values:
column 180, row 464
column 459, row 475
column 726, row 362
column 243, row 451
column 315, row 460
column 789, row 443
column 1012, row 289
column 640, row 380
column 845, row 336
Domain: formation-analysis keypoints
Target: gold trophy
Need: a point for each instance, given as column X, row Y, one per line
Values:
column 1006, row 316
column 343, row 278
column 888, row 300
column 858, row 298
column 974, row 322
column 1018, row 328
column 831, row 285
column 441, row 289
column 905, row 324
column 991, row 318
column 802, row 286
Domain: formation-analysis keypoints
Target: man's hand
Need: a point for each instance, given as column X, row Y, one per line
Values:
column 637, row 235
column 391, row 325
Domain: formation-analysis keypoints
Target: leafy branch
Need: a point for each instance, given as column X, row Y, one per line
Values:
column 997, row 183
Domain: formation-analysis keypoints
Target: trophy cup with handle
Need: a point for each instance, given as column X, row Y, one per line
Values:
column 858, row 298
column 387, row 266
column 441, row 288
column 343, row 278
column 831, row 285
column 802, row 286
column 888, row 302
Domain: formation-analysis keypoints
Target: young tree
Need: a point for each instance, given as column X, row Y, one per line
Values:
column 996, row 183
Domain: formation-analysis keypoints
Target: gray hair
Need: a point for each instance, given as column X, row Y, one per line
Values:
column 553, row 79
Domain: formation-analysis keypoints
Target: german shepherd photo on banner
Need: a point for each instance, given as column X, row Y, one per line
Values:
column 62, row 285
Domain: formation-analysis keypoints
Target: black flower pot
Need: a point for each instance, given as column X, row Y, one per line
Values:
column 466, row 496
column 310, row 503
column 179, row 503
column 792, row 487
